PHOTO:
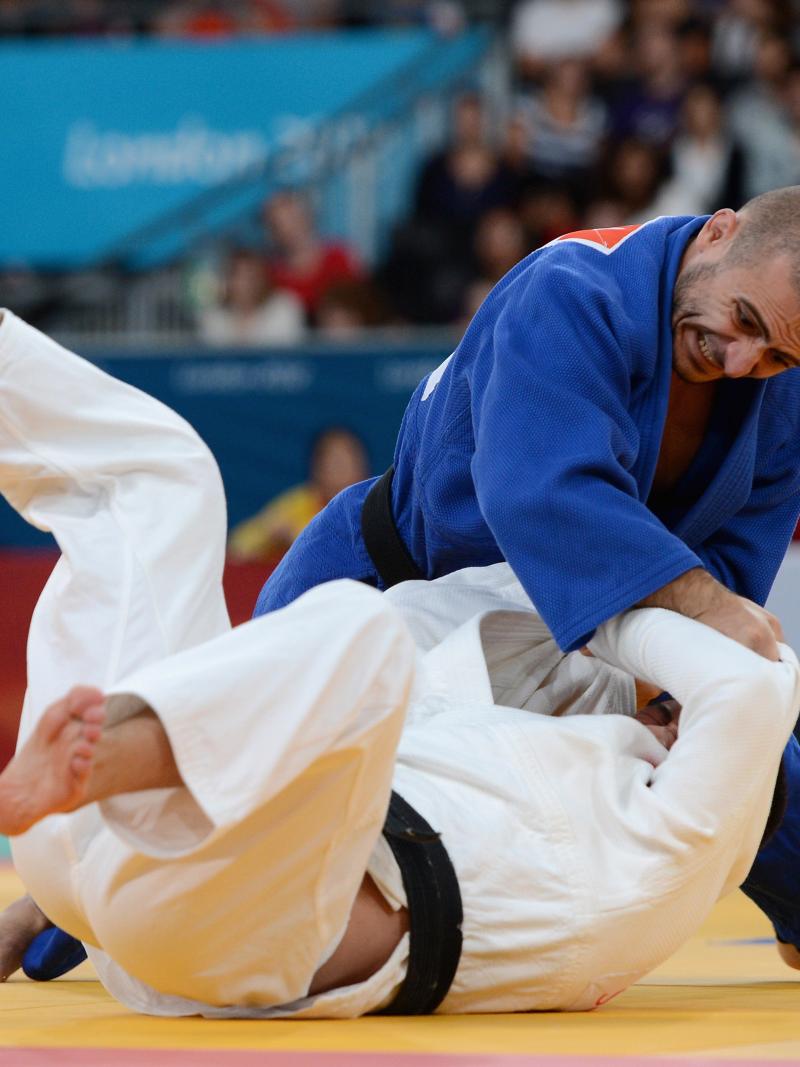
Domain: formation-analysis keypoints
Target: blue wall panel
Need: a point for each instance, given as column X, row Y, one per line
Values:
column 260, row 413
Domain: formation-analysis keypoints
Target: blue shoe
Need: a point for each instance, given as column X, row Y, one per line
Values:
column 51, row 954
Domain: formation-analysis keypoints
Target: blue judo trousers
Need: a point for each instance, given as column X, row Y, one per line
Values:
column 536, row 442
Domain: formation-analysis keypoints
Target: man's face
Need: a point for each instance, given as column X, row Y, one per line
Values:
column 739, row 321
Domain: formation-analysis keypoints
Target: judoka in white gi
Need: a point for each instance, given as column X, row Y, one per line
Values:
column 234, row 864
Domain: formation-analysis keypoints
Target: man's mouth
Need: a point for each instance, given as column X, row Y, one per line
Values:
column 707, row 359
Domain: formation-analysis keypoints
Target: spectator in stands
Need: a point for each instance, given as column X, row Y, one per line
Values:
column 338, row 459
column 649, row 107
column 203, row 19
column 632, row 179
column 761, row 122
column 430, row 262
column 543, row 31
column 459, row 184
column 737, row 29
column 694, row 51
column 266, row 17
column 194, row 18
column 446, row 17
column 668, row 14
column 300, row 260
column 314, row 14
column 705, row 162
column 348, row 308
column 547, row 210
column 250, row 311
column 565, row 124
column 423, row 277
column 515, row 147
column 500, row 243
column 602, row 213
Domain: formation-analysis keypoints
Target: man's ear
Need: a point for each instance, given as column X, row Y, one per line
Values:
column 719, row 230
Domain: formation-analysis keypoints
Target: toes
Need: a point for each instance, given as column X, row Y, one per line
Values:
column 95, row 713
column 82, row 702
column 82, row 697
column 80, row 766
column 92, row 721
column 85, row 749
column 91, row 731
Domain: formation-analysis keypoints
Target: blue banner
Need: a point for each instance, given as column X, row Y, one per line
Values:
column 102, row 139
column 259, row 414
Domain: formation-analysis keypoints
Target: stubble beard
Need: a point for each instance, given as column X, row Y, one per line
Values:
column 685, row 305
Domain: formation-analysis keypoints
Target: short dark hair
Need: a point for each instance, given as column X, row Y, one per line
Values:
column 770, row 228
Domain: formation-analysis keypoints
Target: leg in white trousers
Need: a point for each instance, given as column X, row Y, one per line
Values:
column 233, row 890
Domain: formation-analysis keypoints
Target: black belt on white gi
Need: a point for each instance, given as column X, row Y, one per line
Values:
column 434, row 910
column 392, row 560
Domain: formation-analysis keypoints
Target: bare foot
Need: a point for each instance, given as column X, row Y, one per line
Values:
column 20, row 923
column 50, row 773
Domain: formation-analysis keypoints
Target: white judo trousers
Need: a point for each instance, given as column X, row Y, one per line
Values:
column 585, row 853
column 289, row 756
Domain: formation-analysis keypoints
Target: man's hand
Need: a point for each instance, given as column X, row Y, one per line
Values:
column 699, row 596
column 20, row 923
column 661, row 720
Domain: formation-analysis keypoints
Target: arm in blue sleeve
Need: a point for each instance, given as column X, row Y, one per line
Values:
column 555, row 444
column 747, row 551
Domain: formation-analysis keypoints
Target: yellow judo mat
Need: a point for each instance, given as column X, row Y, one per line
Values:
column 725, row 998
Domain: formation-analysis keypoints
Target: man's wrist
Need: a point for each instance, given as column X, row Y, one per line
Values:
column 690, row 594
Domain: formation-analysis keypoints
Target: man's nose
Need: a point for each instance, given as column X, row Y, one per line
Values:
column 743, row 356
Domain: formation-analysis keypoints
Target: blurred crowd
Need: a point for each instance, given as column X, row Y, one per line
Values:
column 620, row 111
column 226, row 18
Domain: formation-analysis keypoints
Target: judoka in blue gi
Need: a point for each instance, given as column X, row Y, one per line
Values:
column 616, row 423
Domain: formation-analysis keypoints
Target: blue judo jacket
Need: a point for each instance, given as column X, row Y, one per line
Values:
column 537, row 441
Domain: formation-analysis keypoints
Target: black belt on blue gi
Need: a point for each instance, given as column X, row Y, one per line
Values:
column 392, row 560
column 434, row 910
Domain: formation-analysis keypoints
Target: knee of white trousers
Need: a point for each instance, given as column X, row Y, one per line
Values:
column 375, row 636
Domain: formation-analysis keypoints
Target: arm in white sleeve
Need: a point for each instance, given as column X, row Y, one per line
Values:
column 739, row 708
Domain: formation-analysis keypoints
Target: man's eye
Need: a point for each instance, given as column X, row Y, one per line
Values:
column 745, row 320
